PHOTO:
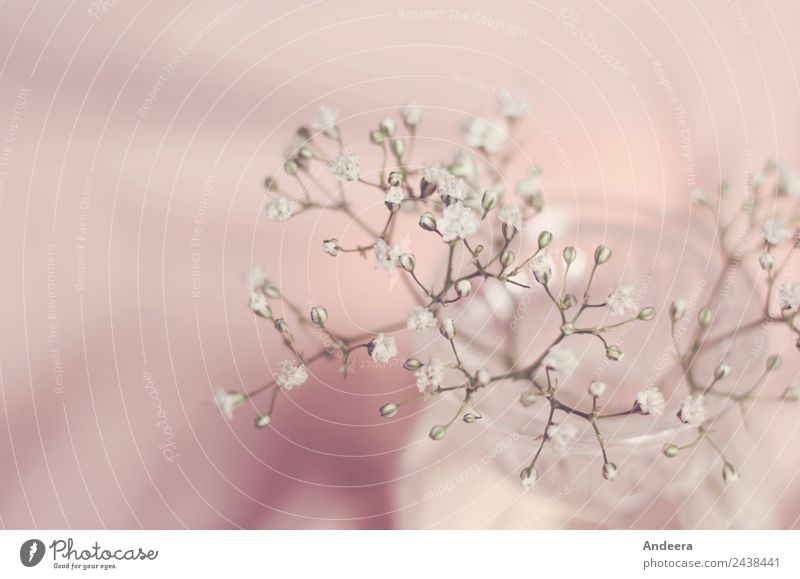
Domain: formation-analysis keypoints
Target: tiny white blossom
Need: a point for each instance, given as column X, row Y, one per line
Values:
column 484, row 134
column 699, row 196
column 411, row 114
column 767, row 261
column 465, row 166
column 623, row 300
column 326, row 121
column 789, row 181
column 382, row 348
column 280, row 208
column 394, row 196
column 774, row 232
column 331, row 246
column 512, row 107
column 290, row 375
column 386, row 256
column 789, row 295
column 692, row 411
column 511, row 215
column 227, row 402
column 528, row 478
column 597, row 389
column 561, row 360
column 421, row 320
column 255, row 277
column 562, row 435
column 430, row 376
column 651, row 401
column 457, row 222
column 542, row 268
column 530, row 188
column 346, row 167
column 448, row 186
column 259, row 304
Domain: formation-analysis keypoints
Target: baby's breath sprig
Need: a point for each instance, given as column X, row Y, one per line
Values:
column 479, row 224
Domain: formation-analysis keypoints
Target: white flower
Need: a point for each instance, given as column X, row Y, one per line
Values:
column 331, row 246
column 280, row 208
column 326, row 121
column 457, row 222
column 386, row 256
column 394, row 196
column 411, row 114
column 622, row 301
column 597, row 389
column 692, row 411
column 227, row 402
column 774, row 232
column 260, row 305
column 483, row 134
column 430, row 376
column 255, row 277
column 766, row 261
column 382, row 348
column 789, row 295
column 699, row 196
column 561, row 435
column 512, row 107
column 421, row 320
column 346, row 168
column 511, row 215
column 464, row 166
column 789, row 181
column 561, row 360
column 528, row 478
column 542, row 268
column 530, row 188
column 291, row 374
column 651, row 401
column 448, row 186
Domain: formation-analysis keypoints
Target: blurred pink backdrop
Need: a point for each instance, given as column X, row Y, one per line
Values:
column 136, row 140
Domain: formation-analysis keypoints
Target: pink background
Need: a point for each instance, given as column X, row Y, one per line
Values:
column 236, row 79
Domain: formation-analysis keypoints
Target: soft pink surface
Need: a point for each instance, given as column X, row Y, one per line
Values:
column 249, row 73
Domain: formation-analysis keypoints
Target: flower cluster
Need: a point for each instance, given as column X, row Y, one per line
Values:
column 465, row 204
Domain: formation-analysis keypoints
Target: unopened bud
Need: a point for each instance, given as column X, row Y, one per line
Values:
column 729, row 473
column 463, row 288
column 395, row 179
column 448, row 329
column 387, row 127
column 407, row 261
column 377, row 137
column 427, row 221
column 438, row 432
column 263, row 421
column 412, row 364
column 569, row 301
column 271, row 183
column 389, row 409
column 613, row 353
column 527, row 398
column 722, row 372
column 602, row 254
column 528, row 477
column 545, row 237
column 609, row 471
column 647, row 314
column 331, row 246
column 281, row 325
column 774, row 362
column 677, row 310
column 671, row 450
column 509, row 231
column 398, row 147
column 319, row 315
column 507, row 258
column 290, row 167
column 570, row 254
column 568, row 329
column 469, row 417
column 704, row 317
column 489, row 200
